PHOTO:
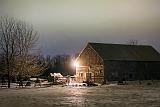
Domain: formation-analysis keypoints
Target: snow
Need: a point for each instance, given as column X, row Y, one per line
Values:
column 104, row 96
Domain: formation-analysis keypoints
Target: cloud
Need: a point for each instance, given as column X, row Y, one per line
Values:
column 68, row 24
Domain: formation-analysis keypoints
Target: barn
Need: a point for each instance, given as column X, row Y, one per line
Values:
column 100, row 62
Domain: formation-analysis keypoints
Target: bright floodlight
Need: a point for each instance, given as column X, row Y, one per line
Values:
column 76, row 64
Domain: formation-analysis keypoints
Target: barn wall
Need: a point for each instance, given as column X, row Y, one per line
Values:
column 131, row 70
column 89, row 57
column 90, row 65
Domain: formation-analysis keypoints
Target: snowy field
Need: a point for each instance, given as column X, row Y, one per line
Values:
column 105, row 96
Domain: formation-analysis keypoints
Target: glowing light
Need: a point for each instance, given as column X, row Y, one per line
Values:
column 76, row 64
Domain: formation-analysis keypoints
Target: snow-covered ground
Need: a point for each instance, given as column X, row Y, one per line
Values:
column 100, row 96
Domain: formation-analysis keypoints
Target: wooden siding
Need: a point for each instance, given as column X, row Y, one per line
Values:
column 91, row 66
column 132, row 70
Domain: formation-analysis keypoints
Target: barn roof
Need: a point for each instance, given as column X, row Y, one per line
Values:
column 126, row 52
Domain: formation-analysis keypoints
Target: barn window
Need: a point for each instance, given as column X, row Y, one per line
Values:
column 81, row 74
column 100, row 71
column 89, row 75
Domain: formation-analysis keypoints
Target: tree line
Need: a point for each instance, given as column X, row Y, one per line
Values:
column 20, row 55
column 18, row 52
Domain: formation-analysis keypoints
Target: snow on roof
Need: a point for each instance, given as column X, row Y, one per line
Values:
column 56, row 74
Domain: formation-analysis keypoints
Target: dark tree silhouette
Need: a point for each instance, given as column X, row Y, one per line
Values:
column 17, row 42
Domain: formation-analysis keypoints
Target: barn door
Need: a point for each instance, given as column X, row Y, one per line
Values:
column 88, row 76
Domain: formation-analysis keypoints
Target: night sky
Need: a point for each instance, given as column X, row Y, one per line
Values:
column 65, row 26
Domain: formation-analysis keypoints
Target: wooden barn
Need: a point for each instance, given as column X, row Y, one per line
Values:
column 99, row 62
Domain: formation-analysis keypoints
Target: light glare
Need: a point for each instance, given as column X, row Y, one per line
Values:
column 76, row 64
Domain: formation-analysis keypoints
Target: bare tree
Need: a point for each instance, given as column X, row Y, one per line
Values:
column 7, row 43
column 17, row 42
column 133, row 42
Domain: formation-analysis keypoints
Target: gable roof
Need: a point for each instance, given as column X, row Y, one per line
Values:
column 125, row 52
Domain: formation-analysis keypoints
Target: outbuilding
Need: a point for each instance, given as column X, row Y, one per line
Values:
column 100, row 62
